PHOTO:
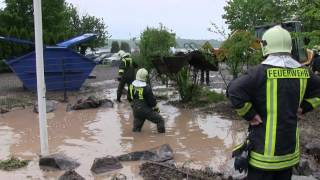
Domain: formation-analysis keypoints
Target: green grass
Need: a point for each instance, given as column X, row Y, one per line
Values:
column 204, row 97
column 12, row 164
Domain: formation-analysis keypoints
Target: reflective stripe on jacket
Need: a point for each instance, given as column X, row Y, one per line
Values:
column 125, row 64
column 142, row 94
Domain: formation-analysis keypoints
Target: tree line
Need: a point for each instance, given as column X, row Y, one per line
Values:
column 61, row 21
column 246, row 14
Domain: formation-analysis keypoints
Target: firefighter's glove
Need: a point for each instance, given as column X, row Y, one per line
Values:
column 240, row 155
column 119, row 78
column 156, row 109
column 241, row 162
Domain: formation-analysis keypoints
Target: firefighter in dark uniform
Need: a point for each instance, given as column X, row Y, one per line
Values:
column 270, row 96
column 143, row 103
column 126, row 73
column 316, row 60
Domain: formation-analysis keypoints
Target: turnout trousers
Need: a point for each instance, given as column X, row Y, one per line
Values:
column 258, row 174
column 141, row 114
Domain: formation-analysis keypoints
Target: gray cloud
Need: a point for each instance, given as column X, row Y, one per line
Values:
column 125, row 18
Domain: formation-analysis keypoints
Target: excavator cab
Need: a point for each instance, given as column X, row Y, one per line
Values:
column 299, row 52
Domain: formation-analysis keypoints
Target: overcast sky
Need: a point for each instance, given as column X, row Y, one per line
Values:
column 128, row 18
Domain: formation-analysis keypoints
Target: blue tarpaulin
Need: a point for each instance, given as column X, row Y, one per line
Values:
column 77, row 40
column 64, row 69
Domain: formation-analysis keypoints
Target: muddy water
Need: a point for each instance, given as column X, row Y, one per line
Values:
column 198, row 140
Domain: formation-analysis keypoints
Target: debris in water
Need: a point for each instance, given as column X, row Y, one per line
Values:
column 105, row 164
column 92, row 102
column 157, row 154
column 3, row 110
column 155, row 170
column 13, row 163
column 57, row 162
column 51, row 106
column 71, row 175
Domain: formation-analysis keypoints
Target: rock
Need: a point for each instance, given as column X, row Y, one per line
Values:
column 92, row 102
column 71, row 175
column 316, row 175
column 106, row 103
column 313, row 148
column 105, row 164
column 57, row 162
column 51, row 106
column 303, row 168
column 119, row 177
column 3, row 110
column 158, row 154
column 69, row 108
column 303, row 178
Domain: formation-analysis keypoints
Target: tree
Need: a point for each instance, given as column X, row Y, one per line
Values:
column 92, row 24
column 309, row 14
column 61, row 21
column 246, row 14
column 115, row 47
column 155, row 42
column 236, row 51
column 125, row 46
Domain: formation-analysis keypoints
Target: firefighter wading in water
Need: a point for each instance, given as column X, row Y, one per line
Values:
column 126, row 72
column 143, row 103
column 270, row 96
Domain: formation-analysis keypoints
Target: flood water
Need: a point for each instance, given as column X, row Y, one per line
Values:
column 197, row 139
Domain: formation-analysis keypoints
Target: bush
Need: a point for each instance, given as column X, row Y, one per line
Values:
column 155, row 42
column 12, row 164
column 186, row 88
column 236, row 51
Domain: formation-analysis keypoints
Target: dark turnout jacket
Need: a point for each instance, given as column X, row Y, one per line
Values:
column 142, row 96
column 275, row 94
column 126, row 69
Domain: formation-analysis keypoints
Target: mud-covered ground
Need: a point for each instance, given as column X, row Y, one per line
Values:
column 14, row 96
column 201, row 138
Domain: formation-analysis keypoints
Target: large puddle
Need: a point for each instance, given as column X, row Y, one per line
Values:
column 197, row 139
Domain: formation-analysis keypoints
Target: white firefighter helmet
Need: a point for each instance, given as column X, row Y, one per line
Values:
column 142, row 75
column 276, row 40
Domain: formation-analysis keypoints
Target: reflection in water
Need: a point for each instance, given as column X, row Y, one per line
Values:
column 206, row 140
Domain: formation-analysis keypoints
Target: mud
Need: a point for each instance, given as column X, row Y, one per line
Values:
column 205, row 140
column 153, row 170
column 223, row 109
column 198, row 137
column 13, row 95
